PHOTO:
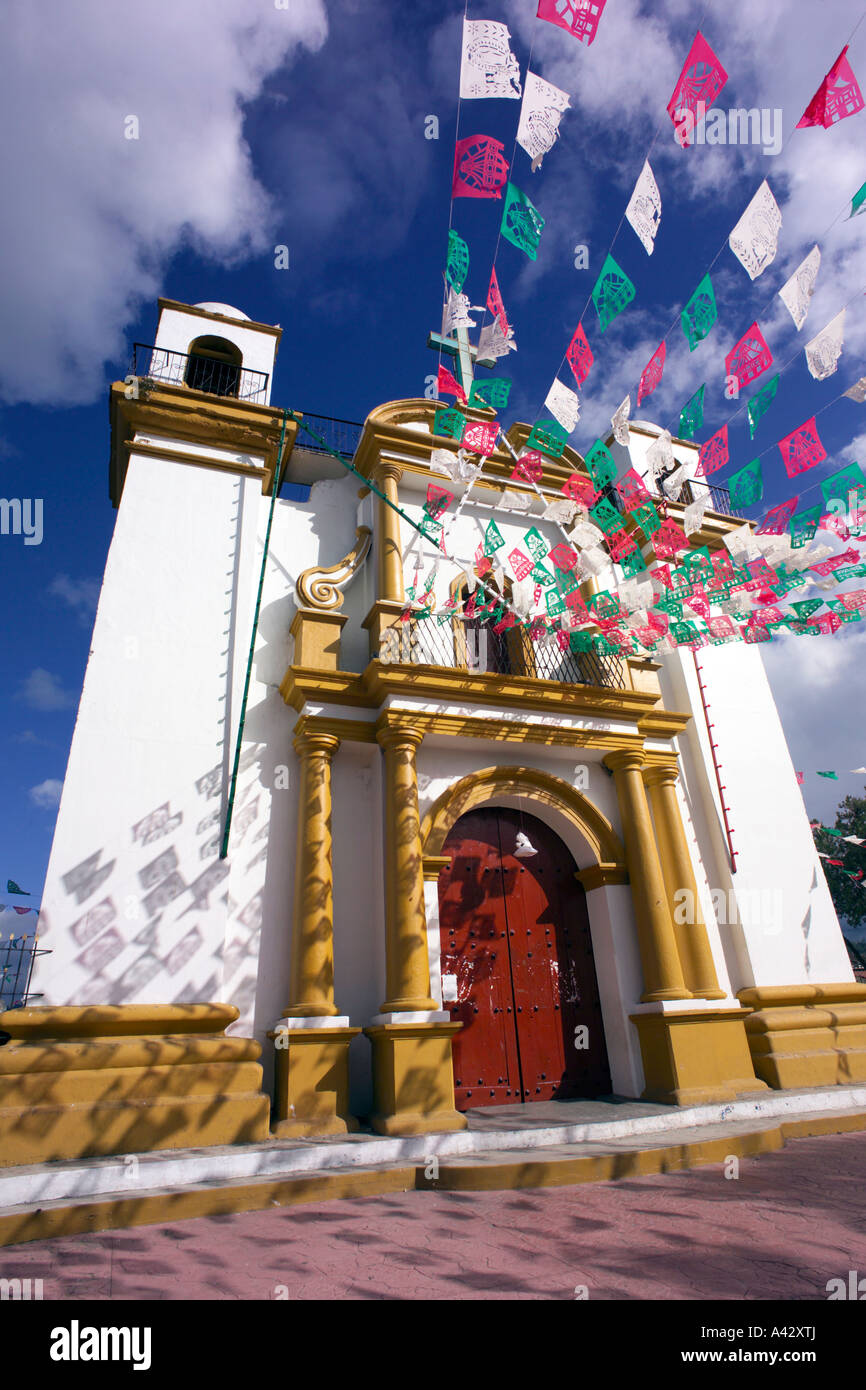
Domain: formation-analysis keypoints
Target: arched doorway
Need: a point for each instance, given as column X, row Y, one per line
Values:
column 517, row 965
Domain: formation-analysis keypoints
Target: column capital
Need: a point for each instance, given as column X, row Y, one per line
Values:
column 392, row 732
column 661, row 774
column 625, row 760
column 386, row 470
column 399, row 738
column 308, row 738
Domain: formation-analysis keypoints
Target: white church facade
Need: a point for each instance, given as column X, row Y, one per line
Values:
column 458, row 873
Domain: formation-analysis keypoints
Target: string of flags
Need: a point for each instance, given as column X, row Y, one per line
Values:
column 832, row 776
column 857, row 875
column 489, row 68
column 604, row 532
column 13, row 887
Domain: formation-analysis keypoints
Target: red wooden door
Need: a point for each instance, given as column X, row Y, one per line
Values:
column 515, row 934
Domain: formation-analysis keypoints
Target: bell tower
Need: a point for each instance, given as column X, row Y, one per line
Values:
column 138, row 900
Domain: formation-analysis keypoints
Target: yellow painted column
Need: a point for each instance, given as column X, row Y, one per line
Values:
column 692, row 939
column 662, row 972
column 312, row 972
column 390, row 554
column 407, row 969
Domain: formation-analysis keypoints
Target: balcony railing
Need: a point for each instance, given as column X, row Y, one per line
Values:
column 720, row 497
column 329, row 434
column 475, row 648
column 199, row 373
column 17, row 956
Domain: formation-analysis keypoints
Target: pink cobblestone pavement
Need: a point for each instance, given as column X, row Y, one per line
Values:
column 791, row 1221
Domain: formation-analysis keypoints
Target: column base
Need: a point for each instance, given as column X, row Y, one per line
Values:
column 658, row 996
column 695, row 1057
column 312, row 1082
column 413, row 1078
column 86, row 1082
column 807, row 1035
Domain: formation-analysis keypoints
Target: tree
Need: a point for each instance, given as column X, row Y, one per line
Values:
column 846, row 880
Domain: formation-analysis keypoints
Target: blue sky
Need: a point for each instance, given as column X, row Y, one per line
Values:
column 305, row 126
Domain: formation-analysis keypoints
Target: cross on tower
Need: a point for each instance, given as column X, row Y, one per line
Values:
column 465, row 354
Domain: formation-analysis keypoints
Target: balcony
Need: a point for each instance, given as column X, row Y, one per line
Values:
column 473, row 647
column 692, row 491
column 199, row 372
column 329, row 434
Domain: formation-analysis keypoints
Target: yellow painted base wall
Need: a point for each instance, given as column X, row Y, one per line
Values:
column 807, row 1035
column 84, row 1082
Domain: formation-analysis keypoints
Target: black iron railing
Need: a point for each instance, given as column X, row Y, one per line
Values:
column 720, row 497
column 473, row 646
column 199, row 373
column 329, row 433
column 16, row 970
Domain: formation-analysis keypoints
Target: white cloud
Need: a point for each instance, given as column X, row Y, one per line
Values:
column 47, row 794
column 88, row 217
column 80, row 595
column 44, row 691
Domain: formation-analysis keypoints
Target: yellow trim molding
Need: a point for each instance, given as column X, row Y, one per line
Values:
column 433, row 864
column 379, row 680
column 602, row 876
column 76, row 1217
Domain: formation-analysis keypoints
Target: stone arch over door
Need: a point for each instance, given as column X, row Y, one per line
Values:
column 494, row 785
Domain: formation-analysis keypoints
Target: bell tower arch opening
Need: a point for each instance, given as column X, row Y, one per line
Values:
column 214, row 365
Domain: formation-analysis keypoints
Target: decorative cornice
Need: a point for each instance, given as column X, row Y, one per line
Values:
column 663, row 723
column 372, row 687
column 386, row 430
column 161, row 451
column 321, row 587
column 177, row 412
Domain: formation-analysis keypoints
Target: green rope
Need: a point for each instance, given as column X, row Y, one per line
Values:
column 234, row 782
column 366, row 481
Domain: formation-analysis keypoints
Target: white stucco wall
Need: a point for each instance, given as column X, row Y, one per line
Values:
column 781, row 925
